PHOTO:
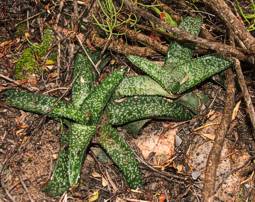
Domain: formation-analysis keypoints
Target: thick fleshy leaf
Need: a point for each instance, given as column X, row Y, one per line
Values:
column 79, row 140
column 150, row 68
column 139, row 85
column 59, row 182
column 94, row 105
column 197, row 71
column 42, row 104
column 179, row 53
column 144, row 107
column 70, row 160
column 83, row 80
column 84, row 75
column 181, row 79
column 194, row 101
column 121, row 154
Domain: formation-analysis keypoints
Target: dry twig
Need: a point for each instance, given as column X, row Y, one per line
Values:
column 142, row 38
column 25, row 188
column 246, row 94
column 214, row 155
column 233, row 23
column 120, row 47
column 115, row 45
column 180, row 35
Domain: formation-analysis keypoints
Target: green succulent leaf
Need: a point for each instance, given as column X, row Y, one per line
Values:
column 121, row 154
column 197, row 71
column 180, row 72
column 181, row 79
column 84, row 79
column 79, row 140
column 91, row 109
column 139, row 85
column 144, row 107
column 191, row 25
column 84, row 75
column 152, row 69
column 94, row 105
column 182, row 53
column 59, row 182
column 68, row 166
column 42, row 104
column 194, row 101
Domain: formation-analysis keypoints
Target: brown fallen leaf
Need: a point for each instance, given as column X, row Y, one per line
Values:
column 228, row 182
column 158, row 149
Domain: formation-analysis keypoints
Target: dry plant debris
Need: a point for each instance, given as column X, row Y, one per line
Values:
column 174, row 160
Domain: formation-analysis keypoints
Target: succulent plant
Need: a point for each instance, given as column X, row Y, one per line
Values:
column 83, row 119
column 94, row 110
column 181, row 72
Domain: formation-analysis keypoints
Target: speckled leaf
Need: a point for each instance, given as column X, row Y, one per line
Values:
column 196, row 71
column 42, row 104
column 79, row 140
column 152, row 69
column 84, row 75
column 192, row 101
column 139, row 85
column 181, row 79
column 180, row 53
column 94, row 105
column 83, row 79
column 191, row 25
column 121, row 154
column 59, row 182
column 144, row 107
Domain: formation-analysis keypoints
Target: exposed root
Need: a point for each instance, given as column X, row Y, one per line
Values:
column 214, row 156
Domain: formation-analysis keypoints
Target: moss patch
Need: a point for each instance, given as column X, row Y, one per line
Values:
column 28, row 62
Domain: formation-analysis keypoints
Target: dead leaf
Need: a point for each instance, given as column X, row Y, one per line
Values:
column 235, row 111
column 162, row 197
column 96, row 174
column 104, row 182
column 228, row 183
column 159, row 146
column 94, row 196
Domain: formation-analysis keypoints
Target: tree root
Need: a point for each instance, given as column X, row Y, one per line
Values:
column 214, row 155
